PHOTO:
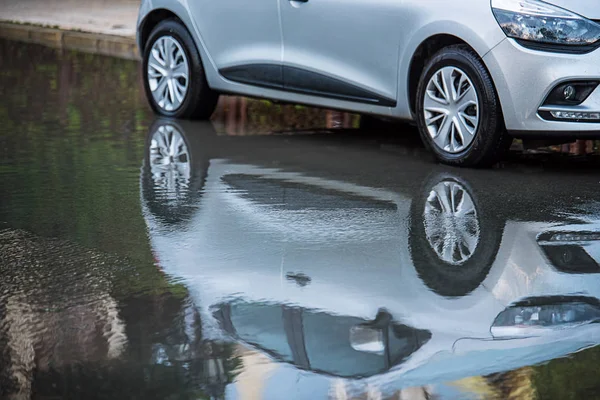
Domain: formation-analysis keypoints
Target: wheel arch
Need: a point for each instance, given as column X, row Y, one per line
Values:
column 421, row 56
column 151, row 20
column 178, row 10
column 432, row 38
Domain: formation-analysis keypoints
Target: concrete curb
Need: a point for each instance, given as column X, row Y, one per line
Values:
column 96, row 43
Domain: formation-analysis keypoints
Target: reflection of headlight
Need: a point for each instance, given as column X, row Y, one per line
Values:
column 574, row 237
column 367, row 339
column 537, row 21
column 529, row 320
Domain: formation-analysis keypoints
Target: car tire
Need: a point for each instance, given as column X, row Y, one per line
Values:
column 452, row 278
column 177, row 87
column 470, row 144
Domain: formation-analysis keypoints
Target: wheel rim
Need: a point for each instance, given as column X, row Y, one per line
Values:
column 170, row 163
column 451, row 110
column 451, row 223
column 168, row 73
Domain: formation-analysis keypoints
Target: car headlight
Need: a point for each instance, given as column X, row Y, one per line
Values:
column 540, row 22
column 529, row 318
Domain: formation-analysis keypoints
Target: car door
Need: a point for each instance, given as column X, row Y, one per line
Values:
column 342, row 49
column 242, row 37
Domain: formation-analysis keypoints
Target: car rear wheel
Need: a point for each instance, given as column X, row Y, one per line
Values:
column 458, row 111
column 174, row 77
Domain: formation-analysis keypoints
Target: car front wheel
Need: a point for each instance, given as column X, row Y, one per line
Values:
column 458, row 111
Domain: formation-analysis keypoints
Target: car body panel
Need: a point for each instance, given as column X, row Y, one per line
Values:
column 335, row 38
column 236, row 34
column 539, row 72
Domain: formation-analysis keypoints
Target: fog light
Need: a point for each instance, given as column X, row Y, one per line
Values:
column 576, row 115
column 570, row 92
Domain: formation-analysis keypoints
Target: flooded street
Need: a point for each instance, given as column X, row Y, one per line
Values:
column 278, row 252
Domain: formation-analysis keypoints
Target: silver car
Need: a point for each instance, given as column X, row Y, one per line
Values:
column 472, row 74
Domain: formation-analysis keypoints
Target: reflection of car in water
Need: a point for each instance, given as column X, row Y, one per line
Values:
column 403, row 284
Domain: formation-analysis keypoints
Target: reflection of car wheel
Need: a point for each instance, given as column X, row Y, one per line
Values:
column 454, row 240
column 173, row 173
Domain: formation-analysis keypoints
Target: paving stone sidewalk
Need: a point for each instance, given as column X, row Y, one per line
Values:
column 108, row 17
column 96, row 26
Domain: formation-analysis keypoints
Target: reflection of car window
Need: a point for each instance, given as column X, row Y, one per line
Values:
column 318, row 341
column 263, row 326
column 298, row 196
column 404, row 341
column 329, row 349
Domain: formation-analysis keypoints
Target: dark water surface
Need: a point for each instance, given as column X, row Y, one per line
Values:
column 278, row 252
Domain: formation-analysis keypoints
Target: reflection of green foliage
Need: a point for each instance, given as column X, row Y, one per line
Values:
column 74, row 118
column 73, row 129
column 575, row 377
column 72, row 142
column 50, row 68
column 147, row 281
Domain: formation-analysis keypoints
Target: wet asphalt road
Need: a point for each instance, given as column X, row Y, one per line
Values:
column 278, row 252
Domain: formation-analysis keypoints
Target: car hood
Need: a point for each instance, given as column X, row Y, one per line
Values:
column 587, row 8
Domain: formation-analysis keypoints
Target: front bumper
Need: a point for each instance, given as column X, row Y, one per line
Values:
column 524, row 78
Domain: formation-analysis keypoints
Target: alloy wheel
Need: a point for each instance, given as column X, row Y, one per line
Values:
column 168, row 73
column 451, row 108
